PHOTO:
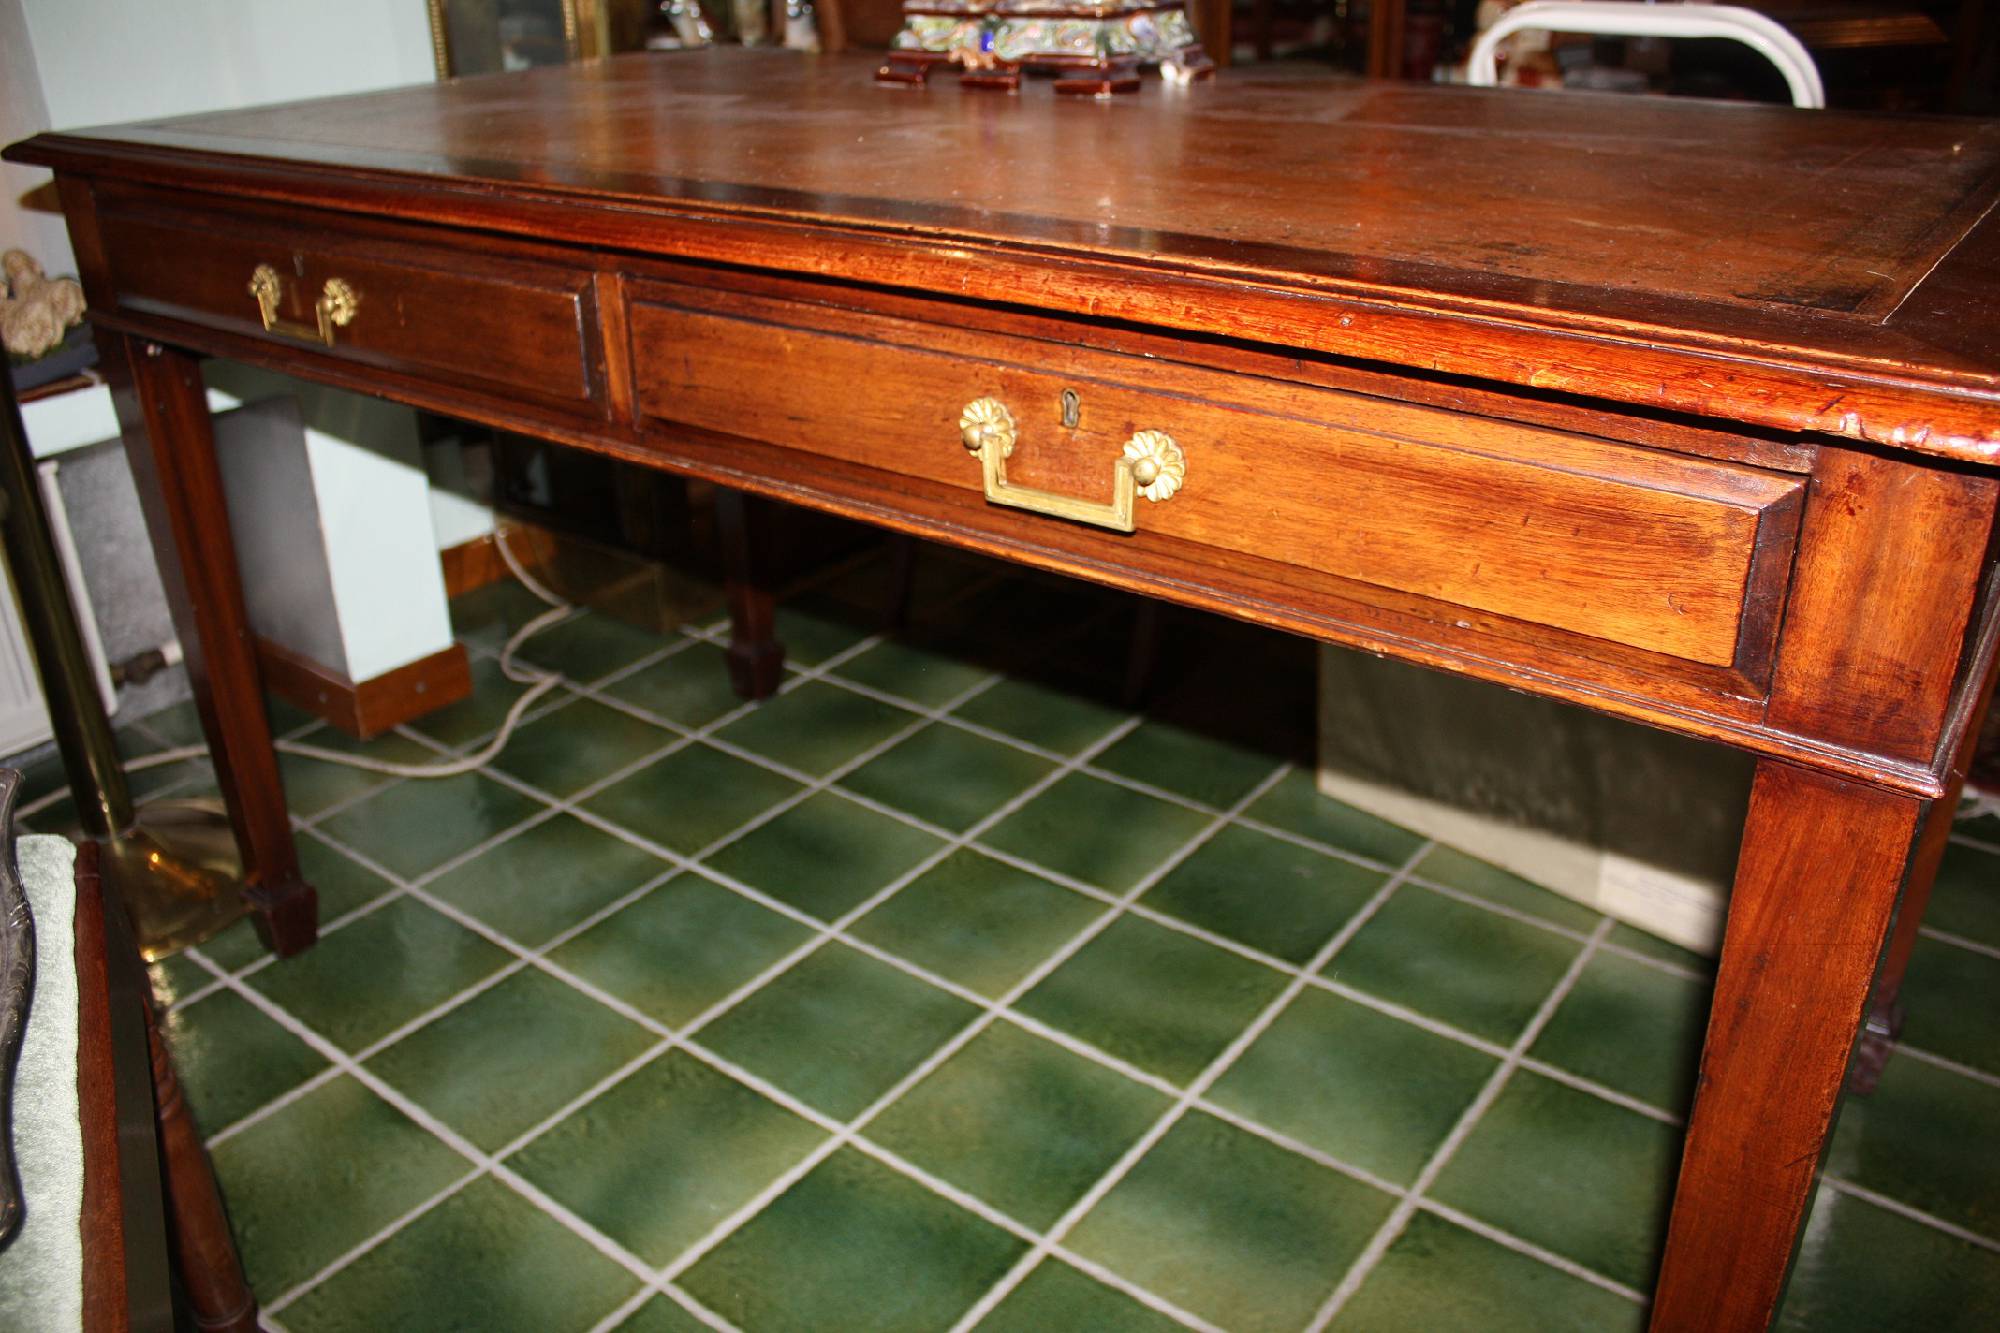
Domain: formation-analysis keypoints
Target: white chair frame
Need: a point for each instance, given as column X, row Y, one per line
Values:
column 1628, row 18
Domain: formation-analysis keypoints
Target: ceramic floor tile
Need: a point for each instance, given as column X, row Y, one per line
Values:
column 659, row 1160
column 175, row 978
column 321, row 1175
column 378, row 972
column 947, row 776
column 1861, row 1269
column 590, row 646
column 1164, row 1001
column 910, row 671
column 1186, row 761
column 838, row 1029
column 342, row 882
column 978, row 921
column 581, row 743
column 1296, row 806
column 1094, row 831
column 178, row 725
column 313, row 786
column 237, row 945
column 1948, row 995
column 1275, row 896
column 1056, row 1296
column 484, row 1259
column 1439, row 1276
column 232, row 1058
column 825, row 854
column 1926, row 1137
column 1231, row 1227
column 1581, row 1177
column 544, row 879
column 1371, row 1090
column 661, row 1315
column 1652, row 946
column 1055, row 719
column 1454, row 869
column 853, row 1245
column 477, row 716
column 485, row 617
column 817, row 727
column 1965, row 900
column 1632, row 1028
column 1019, row 1122
column 691, row 687
column 691, row 798
column 815, row 628
column 510, row 1057
column 1481, row 972
column 681, row 948
column 417, row 825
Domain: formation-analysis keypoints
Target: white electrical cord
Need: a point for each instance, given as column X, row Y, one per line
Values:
column 539, row 683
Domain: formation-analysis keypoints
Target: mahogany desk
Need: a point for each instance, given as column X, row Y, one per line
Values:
column 1685, row 412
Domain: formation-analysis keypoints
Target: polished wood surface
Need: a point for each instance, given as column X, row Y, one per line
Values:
column 1723, row 255
column 163, row 412
column 205, row 1254
column 105, row 1303
column 1680, row 411
column 1789, row 999
column 1512, row 520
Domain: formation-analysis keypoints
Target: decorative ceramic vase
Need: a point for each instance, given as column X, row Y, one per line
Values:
column 1093, row 49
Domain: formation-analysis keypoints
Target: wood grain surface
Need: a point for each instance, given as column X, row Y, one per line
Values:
column 1726, row 258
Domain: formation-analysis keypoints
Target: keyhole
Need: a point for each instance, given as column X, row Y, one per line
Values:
column 1072, row 409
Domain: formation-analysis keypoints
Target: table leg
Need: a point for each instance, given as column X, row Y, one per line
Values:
column 756, row 658
column 204, row 1249
column 163, row 412
column 1823, row 863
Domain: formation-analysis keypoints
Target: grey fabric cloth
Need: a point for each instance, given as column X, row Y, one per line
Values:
column 41, row 1270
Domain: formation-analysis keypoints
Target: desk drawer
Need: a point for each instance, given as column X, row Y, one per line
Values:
column 386, row 303
column 1666, row 554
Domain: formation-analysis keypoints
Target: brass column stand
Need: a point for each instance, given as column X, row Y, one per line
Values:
column 173, row 864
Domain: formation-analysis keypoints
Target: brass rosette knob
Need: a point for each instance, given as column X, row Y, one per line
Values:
column 1158, row 465
column 984, row 421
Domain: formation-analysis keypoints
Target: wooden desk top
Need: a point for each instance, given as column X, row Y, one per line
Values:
column 1812, row 271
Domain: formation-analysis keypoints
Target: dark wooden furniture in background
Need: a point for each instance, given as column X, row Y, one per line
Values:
column 1682, row 412
column 149, row 1194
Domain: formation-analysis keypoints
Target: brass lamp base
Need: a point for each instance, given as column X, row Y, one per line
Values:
column 178, row 874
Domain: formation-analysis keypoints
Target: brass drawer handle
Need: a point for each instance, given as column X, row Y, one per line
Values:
column 335, row 307
column 1152, row 465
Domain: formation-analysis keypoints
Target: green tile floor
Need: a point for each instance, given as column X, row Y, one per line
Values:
column 942, row 991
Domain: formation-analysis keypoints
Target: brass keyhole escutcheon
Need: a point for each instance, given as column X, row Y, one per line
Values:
column 1072, row 409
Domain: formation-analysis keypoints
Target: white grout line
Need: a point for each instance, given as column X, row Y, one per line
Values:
column 836, row 929
column 1194, row 1090
column 993, row 1009
column 1922, row 1056
column 524, row 959
column 1392, row 1227
column 610, row 1001
column 1959, row 941
column 1904, row 1210
column 1977, row 844
column 1512, row 1242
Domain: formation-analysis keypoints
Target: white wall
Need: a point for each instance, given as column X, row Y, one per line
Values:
column 23, row 112
column 72, row 63
column 75, row 63
column 113, row 60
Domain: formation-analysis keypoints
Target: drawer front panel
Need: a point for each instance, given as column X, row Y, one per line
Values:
column 412, row 308
column 1533, row 525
